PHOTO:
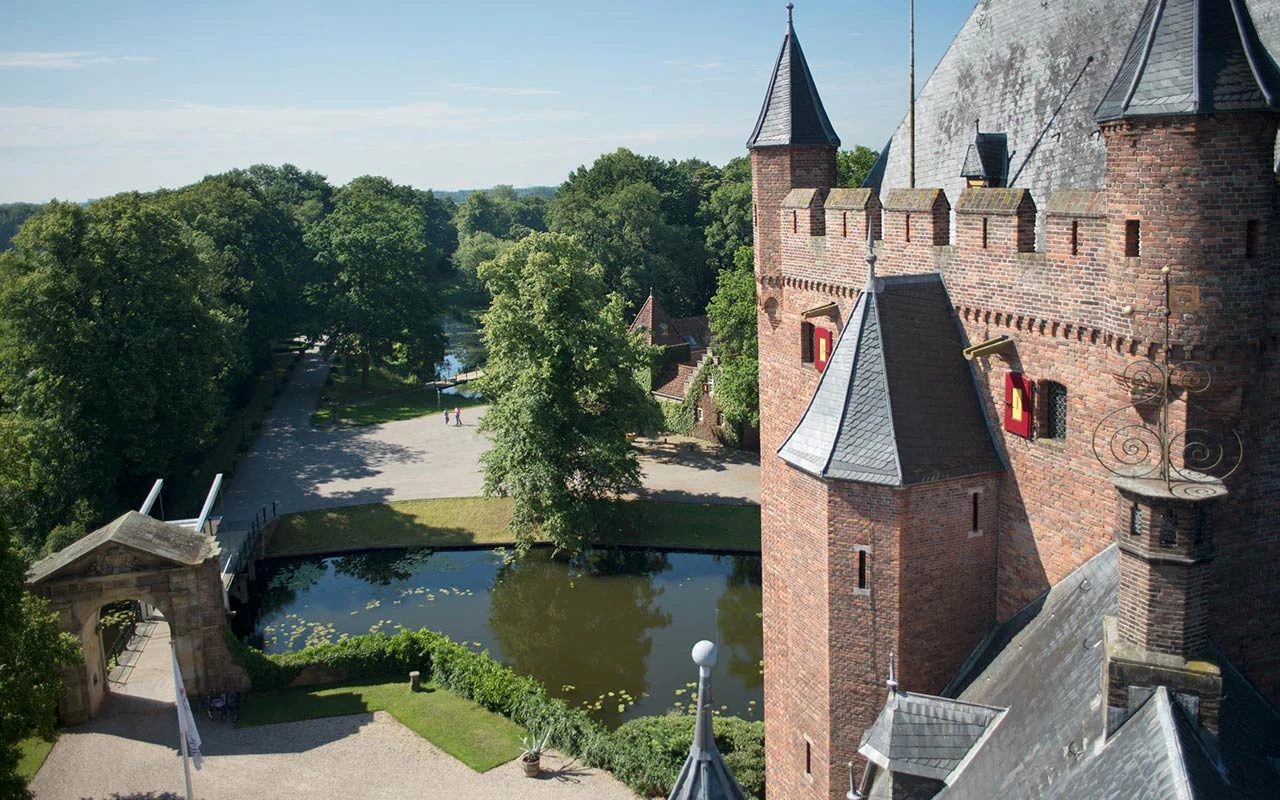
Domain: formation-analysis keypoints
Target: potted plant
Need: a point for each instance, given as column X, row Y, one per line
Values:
column 531, row 758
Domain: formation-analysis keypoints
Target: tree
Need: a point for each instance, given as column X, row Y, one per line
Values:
column 374, row 251
column 732, row 316
column 560, row 377
column 638, row 217
column 853, row 165
column 257, row 247
column 12, row 215
column 115, row 354
column 729, row 214
column 31, row 650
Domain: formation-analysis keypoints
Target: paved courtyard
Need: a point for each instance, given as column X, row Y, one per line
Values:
column 302, row 468
column 130, row 752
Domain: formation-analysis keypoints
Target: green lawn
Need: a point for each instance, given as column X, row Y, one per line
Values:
column 32, row 752
column 479, row 521
column 478, row 738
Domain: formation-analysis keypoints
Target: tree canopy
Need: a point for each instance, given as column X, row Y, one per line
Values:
column 639, row 218
column 732, row 317
column 31, row 649
column 560, row 378
column 378, row 266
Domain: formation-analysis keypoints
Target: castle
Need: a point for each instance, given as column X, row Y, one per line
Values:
column 1020, row 457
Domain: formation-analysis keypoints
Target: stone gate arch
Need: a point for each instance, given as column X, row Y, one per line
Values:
column 138, row 557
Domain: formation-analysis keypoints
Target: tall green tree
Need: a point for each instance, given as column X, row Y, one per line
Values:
column 115, row 354
column 380, row 264
column 732, row 316
column 853, row 165
column 729, row 214
column 561, row 380
column 638, row 217
column 31, row 650
column 257, row 246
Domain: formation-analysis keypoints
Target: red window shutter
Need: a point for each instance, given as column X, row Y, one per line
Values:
column 821, row 348
column 1017, row 404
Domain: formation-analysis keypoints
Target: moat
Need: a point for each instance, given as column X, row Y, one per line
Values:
column 610, row 633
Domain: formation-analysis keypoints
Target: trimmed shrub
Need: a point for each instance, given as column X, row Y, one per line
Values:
column 650, row 750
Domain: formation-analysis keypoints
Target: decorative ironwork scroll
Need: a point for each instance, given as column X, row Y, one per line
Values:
column 1138, row 441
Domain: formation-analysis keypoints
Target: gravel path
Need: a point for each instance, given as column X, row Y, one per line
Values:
column 132, row 753
column 302, row 468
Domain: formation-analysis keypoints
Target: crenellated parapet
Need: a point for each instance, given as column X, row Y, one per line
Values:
column 917, row 218
column 996, row 219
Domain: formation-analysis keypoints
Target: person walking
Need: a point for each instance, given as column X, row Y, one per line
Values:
column 457, row 416
column 446, row 416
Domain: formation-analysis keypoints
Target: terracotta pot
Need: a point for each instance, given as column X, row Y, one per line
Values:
column 532, row 765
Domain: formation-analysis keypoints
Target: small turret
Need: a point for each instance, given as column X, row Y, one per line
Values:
column 704, row 774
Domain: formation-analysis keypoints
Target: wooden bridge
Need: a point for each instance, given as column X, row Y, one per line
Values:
column 460, row 378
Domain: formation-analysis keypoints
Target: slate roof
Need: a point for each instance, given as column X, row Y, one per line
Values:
column 1192, row 57
column 1036, row 71
column 1044, row 667
column 792, row 113
column 133, row 530
column 926, row 736
column 897, row 403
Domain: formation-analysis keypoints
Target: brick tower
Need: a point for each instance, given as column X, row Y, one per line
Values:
column 1190, row 125
column 879, row 500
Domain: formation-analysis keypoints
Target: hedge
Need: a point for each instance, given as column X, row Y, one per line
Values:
column 645, row 753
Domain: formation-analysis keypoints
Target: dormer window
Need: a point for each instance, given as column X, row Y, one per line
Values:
column 662, row 329
column 986, row 163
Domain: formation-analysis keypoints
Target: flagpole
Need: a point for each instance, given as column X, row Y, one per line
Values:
column 182, row 728
column 911, row 35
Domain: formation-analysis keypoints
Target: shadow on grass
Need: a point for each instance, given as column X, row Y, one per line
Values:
column 449, row 522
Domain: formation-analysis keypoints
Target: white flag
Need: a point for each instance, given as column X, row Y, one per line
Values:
column 186, row 722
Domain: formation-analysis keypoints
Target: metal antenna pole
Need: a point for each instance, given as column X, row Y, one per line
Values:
column 911, row 113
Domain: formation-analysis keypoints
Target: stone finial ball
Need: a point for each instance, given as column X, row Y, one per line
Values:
column 704, row 654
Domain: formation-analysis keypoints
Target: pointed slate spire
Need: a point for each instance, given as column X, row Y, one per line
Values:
column 792, row 113
column 1193, row 57
column 704, row 775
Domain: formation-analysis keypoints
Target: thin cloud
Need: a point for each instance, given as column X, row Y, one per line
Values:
column 62, row 59
column 508, row 90
column 40, row 126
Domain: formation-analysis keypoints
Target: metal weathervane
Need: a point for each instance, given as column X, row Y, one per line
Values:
column 1190, row 460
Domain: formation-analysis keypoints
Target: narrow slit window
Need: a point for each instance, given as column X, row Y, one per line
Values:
column 755, row 214
column 795, row 221
column 1132, row 238
column 1075, row 238
column 908, row 227
column 1135, row 520
column 862, row 569
column 975, row 526
column 844, row 224
column 806, row 343
column 984, row 233
column 1251, row 238
column 808, row 758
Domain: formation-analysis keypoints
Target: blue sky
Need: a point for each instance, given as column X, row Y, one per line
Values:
column 97, row 97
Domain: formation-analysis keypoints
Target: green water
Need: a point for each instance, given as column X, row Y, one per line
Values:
column 611, row 635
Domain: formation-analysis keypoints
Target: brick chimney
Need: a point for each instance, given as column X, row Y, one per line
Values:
column 1160, row 635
